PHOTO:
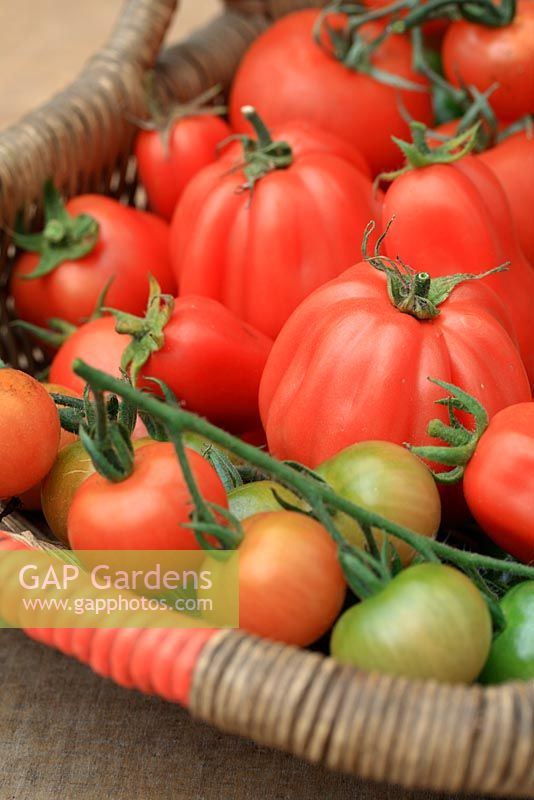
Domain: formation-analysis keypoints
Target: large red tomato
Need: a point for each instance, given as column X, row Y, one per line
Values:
column 350, row 366
column 480, row 56
column 125, row 245
column 165, row 168
column 259, row 238
column 512, row 161
column 287, row 75
column 455, row 218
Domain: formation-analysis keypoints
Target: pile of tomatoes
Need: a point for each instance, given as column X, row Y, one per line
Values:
column 338, row 272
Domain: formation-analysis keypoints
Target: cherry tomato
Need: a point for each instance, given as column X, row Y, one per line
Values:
column 148, row 510
column 313, row 85
column 31, row 500
column 499, row 480
column 387, row 479
column 165, row 168
column 258, row 497
column 71, row 468
column 291, row 587
column 480, row 56
column 429, row 622
column 129, row 244
column 29, row 432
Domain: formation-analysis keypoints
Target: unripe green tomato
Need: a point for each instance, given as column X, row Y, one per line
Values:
column 429, row 622
column 511, row 656
column 255, row 498
column 389, row 480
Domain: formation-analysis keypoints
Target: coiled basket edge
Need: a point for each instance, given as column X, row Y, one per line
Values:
column 470, row 740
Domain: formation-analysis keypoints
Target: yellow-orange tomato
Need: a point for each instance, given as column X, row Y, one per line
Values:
column 291, row 587
column 29, row 432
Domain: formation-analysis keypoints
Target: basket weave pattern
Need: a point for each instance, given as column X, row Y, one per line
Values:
column 419, row 735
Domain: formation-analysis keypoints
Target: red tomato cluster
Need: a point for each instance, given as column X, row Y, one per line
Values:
column 242, row 296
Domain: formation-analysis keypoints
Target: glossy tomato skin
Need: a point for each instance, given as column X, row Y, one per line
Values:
column 148, row 510
column 387, row 479
column 291, row 587
column 130, row 244
column 453, row 218
column 430, row 622
column 349, row 367
column 212, row 361
column 260, row 254
column 259, row 497
column 512, row 161
column 511, row 656
column 314, row 86
column 29, row 432
column 31, row 500
column 499, row 481
column 71, row 468
column 482, row 56
column 165, row 170
column 95, row 342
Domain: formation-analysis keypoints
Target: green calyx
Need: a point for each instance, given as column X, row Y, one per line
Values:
column 262, row 155
column 412, row 292
column 353, row 50
column 481, row 12
column 63, row 238
column 418, row 152
column 461, row 442
column 148, row 332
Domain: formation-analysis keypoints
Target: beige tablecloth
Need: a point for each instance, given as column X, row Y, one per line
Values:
column 66, row 733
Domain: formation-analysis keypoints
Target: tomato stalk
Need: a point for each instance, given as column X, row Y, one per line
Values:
column 318, row 495
column 481, row 12
column 63, row 237
column 354, row 51
column 261, row 155
column 412, row 292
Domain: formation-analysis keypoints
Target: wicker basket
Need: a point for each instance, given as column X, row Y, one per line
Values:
column 418, row 735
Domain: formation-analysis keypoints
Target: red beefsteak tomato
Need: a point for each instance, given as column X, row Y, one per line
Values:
column 286, row 74
column 351, row 364
column 260, row 230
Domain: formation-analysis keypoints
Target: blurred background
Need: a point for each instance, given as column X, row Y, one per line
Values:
column 44, row 44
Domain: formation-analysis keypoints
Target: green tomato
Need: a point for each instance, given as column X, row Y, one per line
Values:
column 389, row 480
column 257, row 497
column 512, row 652
column 429, row 622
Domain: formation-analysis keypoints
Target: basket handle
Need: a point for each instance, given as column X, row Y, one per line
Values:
column 80, row 134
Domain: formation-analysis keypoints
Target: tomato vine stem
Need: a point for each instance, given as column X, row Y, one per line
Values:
column 317, row 494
